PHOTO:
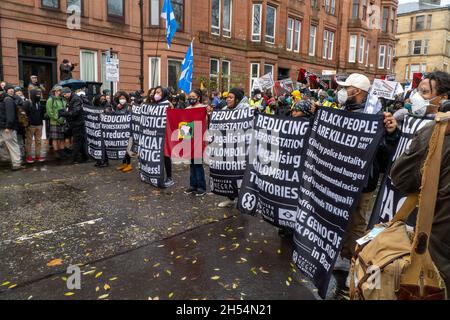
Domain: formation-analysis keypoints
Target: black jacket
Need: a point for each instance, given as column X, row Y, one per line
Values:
column 65, row 71
column 8, row 112
column 35, row 110
column 74, row 114
column 384, row 152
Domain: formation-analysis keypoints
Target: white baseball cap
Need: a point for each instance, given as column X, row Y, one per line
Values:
column 356, row 80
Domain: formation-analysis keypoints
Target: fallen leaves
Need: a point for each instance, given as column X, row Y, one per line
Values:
column 215, row 278
column 68, row 294
column 98, row 275
column 170, row 295
column 54, row 263
column 104, row 296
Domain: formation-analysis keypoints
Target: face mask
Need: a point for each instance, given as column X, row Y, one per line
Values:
column 258, row 97
column 288, row 101
column 419, row 105
column 192, row 101
column 342, row 96
column 123, row 101
column 157, row 97
column 81, row 93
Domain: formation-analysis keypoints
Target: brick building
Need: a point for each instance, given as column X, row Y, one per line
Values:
column 235, row 40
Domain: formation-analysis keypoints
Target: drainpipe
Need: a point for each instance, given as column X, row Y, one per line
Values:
column 1, row 52
column 141, row 77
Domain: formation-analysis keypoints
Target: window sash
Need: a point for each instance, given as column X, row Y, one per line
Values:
column 154, row 12
column 254, row 73
column 352, row 49
column 215, row 17
column 226, row 75
column 381, row 56
column 385, row 19
column 268, row 68
column 256, row 22
column 116, row 8
column 51, row 4
column 312, row 41
column 355, row 9
column 330, row 45
column 88, row 65
column 290, row 34
column 361, row 50
column 271, row 16
column 297, row 33
column 154, row 67
column 227, row 18
column 420, row 22
column 367, row 53
column 325, row 45
column 389, row 58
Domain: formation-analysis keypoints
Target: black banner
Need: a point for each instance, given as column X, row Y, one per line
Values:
column 335, row 167
column 389, row 199
column 94, row 139
column 116, row 128
column 135, row 127
column 272, row 179
column 229, row 137
column 151, row 142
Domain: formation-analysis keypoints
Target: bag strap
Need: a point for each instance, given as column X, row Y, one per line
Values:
column 407, row 208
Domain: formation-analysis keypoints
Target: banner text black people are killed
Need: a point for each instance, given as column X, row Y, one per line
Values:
column 229, row 137
column 116, row 128
column 135, row 126
column 151, row 142
column 93, row 132
column 271, row 183
column 389, row 199
column 339, row 153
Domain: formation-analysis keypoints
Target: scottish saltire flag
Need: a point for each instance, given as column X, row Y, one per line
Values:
column 185, row 82
column 171, row 22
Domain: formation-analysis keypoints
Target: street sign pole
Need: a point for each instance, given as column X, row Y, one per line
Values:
column 112, row 83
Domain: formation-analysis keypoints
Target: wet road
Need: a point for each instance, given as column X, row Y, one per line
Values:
column 133, row 241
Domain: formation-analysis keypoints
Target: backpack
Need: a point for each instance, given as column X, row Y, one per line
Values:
column 396, row 263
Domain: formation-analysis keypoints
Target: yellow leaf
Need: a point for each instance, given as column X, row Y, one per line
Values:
column 288, row 283
column 262, row 270
column 5, row 283
column 170, row 295
column 184, row 278
column 222, row 248
column 113, row 279
column 68, row 294
column 279, row 251
column 290, row 279
column 169, row 272
column 156, row 265
column 215, row 278
column 98, row 275
column 194, row 262
column 54, row 263
column 97, row 289
column 13, row 286
column 235, row 286
column 106, row 287
column 89, row 272
column 103, row 296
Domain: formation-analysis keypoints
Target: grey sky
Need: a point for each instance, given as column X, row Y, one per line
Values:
column 405, row 1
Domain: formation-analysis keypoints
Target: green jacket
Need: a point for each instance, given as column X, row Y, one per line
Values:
column 54, row 104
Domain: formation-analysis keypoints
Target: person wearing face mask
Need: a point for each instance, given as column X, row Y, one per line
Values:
column 35, row 112
column 197, row 184
column 258, row 102
column 426, row 101
column 122, row 105
column 150, row 96
column 352, row 98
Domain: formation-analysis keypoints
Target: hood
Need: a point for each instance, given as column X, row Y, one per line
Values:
column 33, row 95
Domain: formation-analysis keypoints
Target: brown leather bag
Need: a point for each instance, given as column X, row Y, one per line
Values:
column 396, row 264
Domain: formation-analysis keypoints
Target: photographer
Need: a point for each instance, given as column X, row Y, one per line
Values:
column 66, row 69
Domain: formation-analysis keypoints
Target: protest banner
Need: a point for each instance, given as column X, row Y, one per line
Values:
column 336, row 163
column 116, row 130
column 94, row 139
column 384, row 89
column 283, row 86
column 135, row 127
column 185, row 132
column 229, row 137
column 151, row 142
column 389, row 199
column 271, row 183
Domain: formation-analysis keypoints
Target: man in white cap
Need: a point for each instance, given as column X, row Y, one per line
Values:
column 352, row 97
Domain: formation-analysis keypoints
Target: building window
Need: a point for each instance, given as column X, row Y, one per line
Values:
column 417, row 47
column 384, row 27
column 154, row 72
column 173, row 73
column 271, row 22
column 268, row 68
column 364, row 10
column 178, row 10
column 330, row 6
column 411, row 24
column 328, row 45
column 352, row 49
column 425, row 47
column 392, row 20
column 88, row 65
column 215, row 17
column 407, row 72
column 448, row 47
column 367, row 53
column 420, row 23
column 107, row 84
column 290, row 34
column 314, row 4
column 116, row 8
column 429, row 21
column 389, row 58
column 214, row 74
column 355, row 9
column 226, row 75
column 381, row 57
column 325, row 45
column 256, row 22
column 227, row 17
column 254, row 73
column 415, row 68
column 424, row 68
column 50, row 4
column 77, row 3
column 312, row 41
column 154, row 12
column 362, row 41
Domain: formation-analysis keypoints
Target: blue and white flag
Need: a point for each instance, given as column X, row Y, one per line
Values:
column 171, row 22
column 185, row 82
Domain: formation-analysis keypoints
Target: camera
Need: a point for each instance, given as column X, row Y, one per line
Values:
column 445, row 106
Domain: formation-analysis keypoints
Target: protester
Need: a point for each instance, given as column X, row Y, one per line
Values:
column 197, row 183
column 54, row 104
column 22, row 118
column 122, row 105
column 215, row 100
column 406, row 172
column 35, row 112
column 34, row 84
column 303, row 108
column 236, row 100
column 257, row 102
column 65, row 70
column 9, row 126
column 352, row 97
column 75, row 119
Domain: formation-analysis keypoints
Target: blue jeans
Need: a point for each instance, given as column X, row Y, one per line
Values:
column 198, row 176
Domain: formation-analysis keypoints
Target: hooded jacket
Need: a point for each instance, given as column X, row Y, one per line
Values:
column 34, row 109
column 8, row 112
column 74, row 114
